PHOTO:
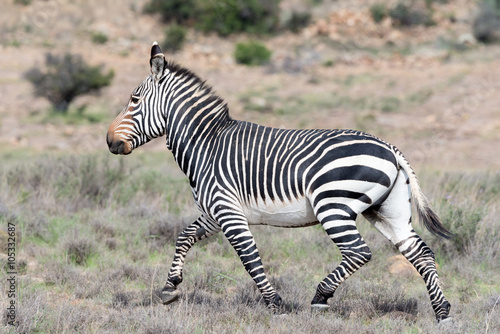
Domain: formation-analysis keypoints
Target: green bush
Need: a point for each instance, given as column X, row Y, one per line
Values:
column 252, row 53
column 231, row 16
column 175, row 36
column 22, row 2
column 99, row 37
column 179, row 11
column 404, row 14
column 297, row 21
column 378, row 12
column 486, row 26
column 65, row 78
column 79, row 250
column 222, row 16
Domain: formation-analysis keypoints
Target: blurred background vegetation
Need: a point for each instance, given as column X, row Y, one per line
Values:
column 96, row 232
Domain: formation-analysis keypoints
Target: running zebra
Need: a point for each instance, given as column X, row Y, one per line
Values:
column 244, row 174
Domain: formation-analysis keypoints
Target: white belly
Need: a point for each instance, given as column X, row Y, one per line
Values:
column 282, row 214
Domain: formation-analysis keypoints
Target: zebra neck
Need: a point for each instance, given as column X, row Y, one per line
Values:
column 192, row 128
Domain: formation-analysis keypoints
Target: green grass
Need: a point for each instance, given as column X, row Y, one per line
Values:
column 421, row 96
column 129, row 211
column 74, row 116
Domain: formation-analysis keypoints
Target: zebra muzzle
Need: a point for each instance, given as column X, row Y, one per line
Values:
column 118, row 146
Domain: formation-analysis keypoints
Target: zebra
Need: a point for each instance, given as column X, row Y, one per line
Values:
column 244, row 174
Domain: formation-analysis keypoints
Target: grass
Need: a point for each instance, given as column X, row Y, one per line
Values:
column 97, row 235
column 74, row 116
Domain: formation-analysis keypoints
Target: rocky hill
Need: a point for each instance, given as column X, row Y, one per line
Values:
column 433, row 91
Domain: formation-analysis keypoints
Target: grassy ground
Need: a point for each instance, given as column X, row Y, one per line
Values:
column 96, row 234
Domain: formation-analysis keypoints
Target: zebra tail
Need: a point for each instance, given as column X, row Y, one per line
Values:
column 426, row 215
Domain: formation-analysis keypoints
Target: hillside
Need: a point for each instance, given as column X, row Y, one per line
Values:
column 431, row 91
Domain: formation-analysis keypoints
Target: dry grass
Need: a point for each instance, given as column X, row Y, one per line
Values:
column 97, row 252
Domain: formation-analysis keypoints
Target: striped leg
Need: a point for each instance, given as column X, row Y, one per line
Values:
column 195, row 232
column 240, row 237
column 422, row 258
column 341, row 227
column 393, row 220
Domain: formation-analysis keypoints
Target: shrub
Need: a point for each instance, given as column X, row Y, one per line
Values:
column 486, row 26
column 230, row 16
column 162, row 232
column 179, row 11
column 120, row 300
column 405, row 15
column 65, row 78
column 37, row 226
column 222, row 16
column 252, row 53
column 378, row 12
column 22, row 2
column 175, row 36
column 328, row 63
column 79, row 250
column 297, row 21
column 99, row 37
column 22, row 266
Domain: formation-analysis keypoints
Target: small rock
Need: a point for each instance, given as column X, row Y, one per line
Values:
column 401, row 267
column 467, row 39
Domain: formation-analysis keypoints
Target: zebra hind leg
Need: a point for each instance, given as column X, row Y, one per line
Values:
column 188, row 237
column 393, row 220
column 422, row 258
column 355, row 253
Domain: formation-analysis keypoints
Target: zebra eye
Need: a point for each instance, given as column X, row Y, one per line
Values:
column 134, row 99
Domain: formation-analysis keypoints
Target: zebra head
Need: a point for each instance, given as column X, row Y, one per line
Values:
column 143, row 119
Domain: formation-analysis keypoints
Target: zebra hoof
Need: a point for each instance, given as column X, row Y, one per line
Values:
column 446, row 321
column 319, row 307
column 168, row 297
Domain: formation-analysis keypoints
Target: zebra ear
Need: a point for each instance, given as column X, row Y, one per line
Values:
column 157, row 62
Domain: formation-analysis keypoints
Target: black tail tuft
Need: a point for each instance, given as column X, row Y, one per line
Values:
column 432, row 223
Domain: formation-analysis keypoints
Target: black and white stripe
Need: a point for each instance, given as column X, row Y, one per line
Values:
column 243, row 173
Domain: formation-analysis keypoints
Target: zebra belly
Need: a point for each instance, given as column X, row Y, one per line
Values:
column 297, row 213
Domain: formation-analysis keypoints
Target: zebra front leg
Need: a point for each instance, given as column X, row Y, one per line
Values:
column 240, row 237
column 195, row 232
column 355, row 253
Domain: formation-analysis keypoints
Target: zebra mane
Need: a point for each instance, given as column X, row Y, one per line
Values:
column 187, row 74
